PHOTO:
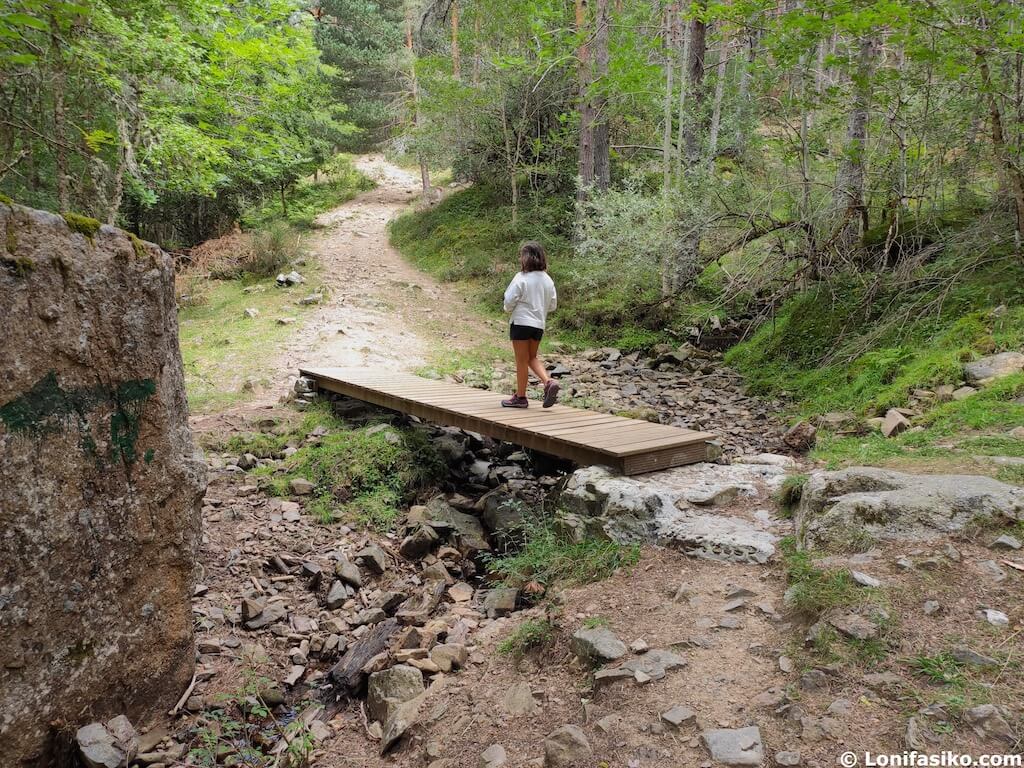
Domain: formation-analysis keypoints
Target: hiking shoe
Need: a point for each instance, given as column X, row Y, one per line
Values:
column 550, row 393
column 516, row 402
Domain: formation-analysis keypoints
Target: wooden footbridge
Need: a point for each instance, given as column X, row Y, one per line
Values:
column 630, row 446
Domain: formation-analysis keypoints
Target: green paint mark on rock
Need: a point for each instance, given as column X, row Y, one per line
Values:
column 48, row 408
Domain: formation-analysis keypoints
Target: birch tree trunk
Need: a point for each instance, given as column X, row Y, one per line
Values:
column 684, row 63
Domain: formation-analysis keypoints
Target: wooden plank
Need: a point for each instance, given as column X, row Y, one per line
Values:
column 586, row 437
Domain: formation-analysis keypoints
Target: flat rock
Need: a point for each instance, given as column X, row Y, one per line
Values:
column 679, row 715
column 493, row 757
column 597, row 644
column 735, row 746
column 518, row 700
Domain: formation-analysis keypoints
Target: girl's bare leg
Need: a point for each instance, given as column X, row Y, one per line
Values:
column 536, row 364
column 522, row 351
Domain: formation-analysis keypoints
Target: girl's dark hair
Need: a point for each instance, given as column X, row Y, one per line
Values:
column 532, row 257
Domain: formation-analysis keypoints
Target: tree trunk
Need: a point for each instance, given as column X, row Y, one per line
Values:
column 695, row 84
column 684, row 63
column 417, row 118
column 602, row 140
column 850, row 210
column 456, row 68
column 284, row 199
column 1012, row 174
column 587, row 116
column 716, row 110
column 744, row 109
column 476, row 49
column 666, row 136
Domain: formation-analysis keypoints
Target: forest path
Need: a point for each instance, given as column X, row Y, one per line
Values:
column 379, row 311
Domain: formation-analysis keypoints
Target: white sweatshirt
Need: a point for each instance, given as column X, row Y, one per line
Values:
column 529, row 297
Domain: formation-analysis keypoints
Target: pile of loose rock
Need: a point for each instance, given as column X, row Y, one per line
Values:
column 681, row 386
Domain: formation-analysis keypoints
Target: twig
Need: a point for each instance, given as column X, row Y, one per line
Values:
column 184, row 696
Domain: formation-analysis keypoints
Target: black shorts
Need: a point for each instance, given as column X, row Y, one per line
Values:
column 524, row 332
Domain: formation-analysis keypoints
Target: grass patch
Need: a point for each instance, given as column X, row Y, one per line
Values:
column 940, row 668
column 814, row 590
column 366, row 474
column 790, row 492
column 531, row 635
column 226, row 354
column 338, row 184
column 547, row 557
column 1012, row 475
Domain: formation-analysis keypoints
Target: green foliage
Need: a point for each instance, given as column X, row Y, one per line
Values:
column 273, row 249
column 595, row 621
column 365, row 474
column 173, row 128
column 548, row 556
column 814, row 590
column 472, row 237
column 1013, row 475
column 940, row 668
column 790, row 492
column 531, row 635
column 339, row 183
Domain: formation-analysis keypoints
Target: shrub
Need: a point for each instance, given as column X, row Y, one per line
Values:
column 273, row 249
column 531, row 635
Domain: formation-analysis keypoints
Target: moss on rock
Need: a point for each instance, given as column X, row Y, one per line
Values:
column 82, row 224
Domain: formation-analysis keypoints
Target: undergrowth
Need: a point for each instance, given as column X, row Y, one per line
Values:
column 531, row 635
column 339, row 183
column 365, row 474
column 548, row 556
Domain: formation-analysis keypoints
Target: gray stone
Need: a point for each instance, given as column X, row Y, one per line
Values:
column 993, row 367
column 449, row 656
column 597, row 644
column 854, row 625
column 652, row 665
column 566, row 746
column 373, row 558
column 894, row 423
column 271, row 614
column 1006, row 541
column 848, row 505
column 963, row 393
column 502, row 512
column 735, row 746
column 493, row 757
column 110, row 745
column 787, row 758
column 500, row 601
column 387, row 689
column 348, row 572
column 714, row 496
column 300, row 486
column 679, row 715
column 966, row 655
column 337, row 595
column 992, row 722
column 801, row 436
column 468, row 529
column 931, row 607
column 864, row 579
column 518, row 700
column 417, row 545
column 402, row 718
column 994, row 617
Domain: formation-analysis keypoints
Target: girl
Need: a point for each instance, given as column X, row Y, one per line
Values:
column 529, row 297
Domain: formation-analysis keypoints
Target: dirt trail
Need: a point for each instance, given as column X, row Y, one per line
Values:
column 381, row 311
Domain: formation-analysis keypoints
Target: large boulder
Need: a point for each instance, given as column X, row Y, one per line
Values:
column 388, row 689
column 100, row 485
column 670, row 507
column 860, row 504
